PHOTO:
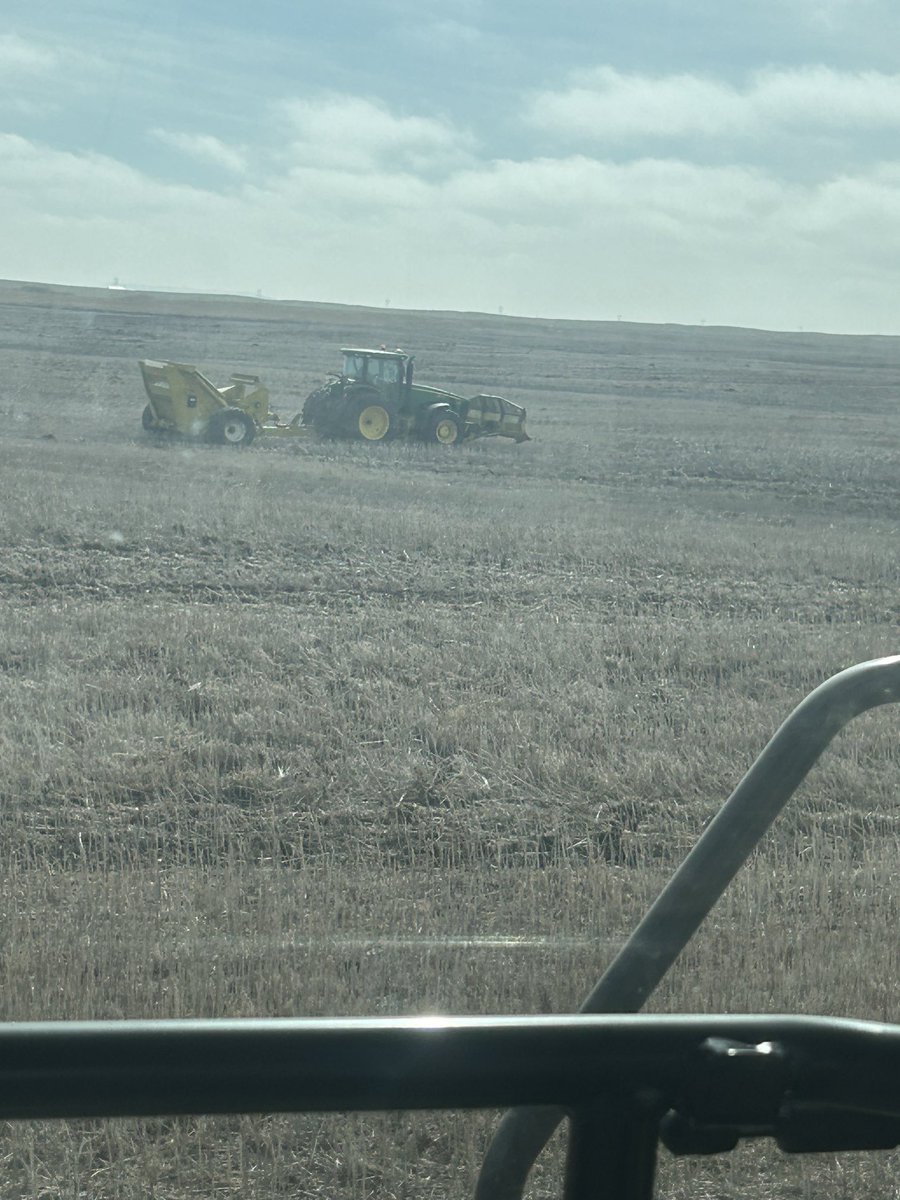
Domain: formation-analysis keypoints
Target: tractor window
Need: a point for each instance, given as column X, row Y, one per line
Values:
column 354, row 366
column 382, row 370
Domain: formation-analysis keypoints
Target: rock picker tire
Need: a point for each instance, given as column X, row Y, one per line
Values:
column 231, row 427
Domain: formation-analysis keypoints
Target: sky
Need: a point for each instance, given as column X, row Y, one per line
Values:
column 704, row 162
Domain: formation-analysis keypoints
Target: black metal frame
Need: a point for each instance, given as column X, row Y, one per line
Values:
column 697, row 1083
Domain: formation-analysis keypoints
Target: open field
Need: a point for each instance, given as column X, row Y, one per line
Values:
column 345, row 729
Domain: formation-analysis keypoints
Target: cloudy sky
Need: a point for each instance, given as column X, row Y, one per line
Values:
column 695, row 161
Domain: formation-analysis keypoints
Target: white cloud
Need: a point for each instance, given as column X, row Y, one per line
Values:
column 610, row 106
column 857, row 216
column 654, row 239
column 203, row 148
column 65, row 186
column 819, row 97
column 358, row 135
column 350, row 191
column 606, row 105
column 779, row 219
column 556, row 192
column 22, row 57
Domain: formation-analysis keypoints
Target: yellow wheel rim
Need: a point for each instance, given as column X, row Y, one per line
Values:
column 446, row 432
column 374, row 422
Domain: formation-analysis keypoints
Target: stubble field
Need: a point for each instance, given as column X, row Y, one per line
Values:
column 345, row 729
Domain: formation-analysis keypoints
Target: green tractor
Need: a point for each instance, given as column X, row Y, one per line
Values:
column 374, row 398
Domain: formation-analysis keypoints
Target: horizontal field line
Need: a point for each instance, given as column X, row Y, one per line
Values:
column 401, row 942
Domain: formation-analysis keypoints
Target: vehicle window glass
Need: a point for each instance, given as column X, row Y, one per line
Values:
column 326, row 701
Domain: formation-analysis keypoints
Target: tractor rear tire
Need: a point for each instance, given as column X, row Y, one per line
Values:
column 376, row 422
column 445, row 428
column 231, row 427
column 368, row 417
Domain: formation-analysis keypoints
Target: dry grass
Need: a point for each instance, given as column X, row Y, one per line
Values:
column 276, row 723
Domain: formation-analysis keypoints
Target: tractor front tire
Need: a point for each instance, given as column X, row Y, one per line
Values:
column 445, row 428
column 231, row 427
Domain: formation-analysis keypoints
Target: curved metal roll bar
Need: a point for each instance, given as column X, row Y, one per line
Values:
column 695, row 887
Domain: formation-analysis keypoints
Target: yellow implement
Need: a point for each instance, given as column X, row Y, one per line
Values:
column 183, row 401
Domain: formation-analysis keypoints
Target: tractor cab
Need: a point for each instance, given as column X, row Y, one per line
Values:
column 387, row 370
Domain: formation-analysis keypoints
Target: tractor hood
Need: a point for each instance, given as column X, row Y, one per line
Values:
column 436, row 395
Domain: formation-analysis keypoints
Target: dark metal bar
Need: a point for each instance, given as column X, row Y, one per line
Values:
column 702, row 878
column 159, row 1068
column 135, row 1068
column 612, row 1149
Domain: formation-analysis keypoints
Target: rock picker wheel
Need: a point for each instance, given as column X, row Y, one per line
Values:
column 231, row 427
column 148, row 421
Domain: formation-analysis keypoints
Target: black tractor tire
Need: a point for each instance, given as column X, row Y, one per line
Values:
column 367, row 416
column 318, row 410
column 148, row 420
column 231, row 427
column 445, row 428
